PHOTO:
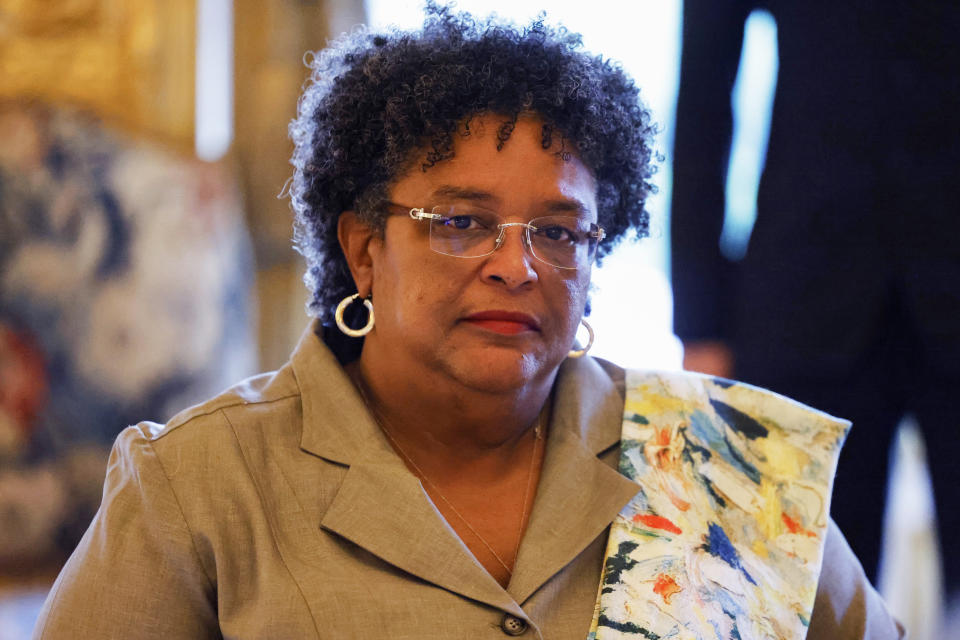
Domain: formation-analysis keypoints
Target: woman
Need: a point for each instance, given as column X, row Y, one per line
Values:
column 446, row 467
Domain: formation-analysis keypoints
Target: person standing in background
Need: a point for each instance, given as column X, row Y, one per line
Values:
column 848, row 297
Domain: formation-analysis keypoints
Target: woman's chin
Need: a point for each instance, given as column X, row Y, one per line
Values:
column 498, row 369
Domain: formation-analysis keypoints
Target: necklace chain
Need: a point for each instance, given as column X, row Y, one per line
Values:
column 538, row 436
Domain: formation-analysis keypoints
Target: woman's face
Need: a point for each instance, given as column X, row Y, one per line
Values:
column 493, row 323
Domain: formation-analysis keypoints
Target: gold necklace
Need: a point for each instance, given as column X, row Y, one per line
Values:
column 538, row 437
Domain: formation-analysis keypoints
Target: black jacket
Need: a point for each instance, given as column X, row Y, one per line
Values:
column 859, row 203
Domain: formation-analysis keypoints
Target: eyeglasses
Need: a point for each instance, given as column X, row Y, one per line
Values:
column 466, row 231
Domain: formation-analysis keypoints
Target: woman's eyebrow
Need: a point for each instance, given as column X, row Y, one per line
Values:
column 568, row 205
column 463, row 193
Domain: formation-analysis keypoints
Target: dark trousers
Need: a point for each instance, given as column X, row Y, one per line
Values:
column 893, row 379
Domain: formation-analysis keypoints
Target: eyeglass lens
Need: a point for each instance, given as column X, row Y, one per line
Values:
column 561, row 241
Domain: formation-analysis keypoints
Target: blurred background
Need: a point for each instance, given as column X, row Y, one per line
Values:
column 146, row 262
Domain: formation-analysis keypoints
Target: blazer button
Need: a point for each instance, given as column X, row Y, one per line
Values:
column 512, row 625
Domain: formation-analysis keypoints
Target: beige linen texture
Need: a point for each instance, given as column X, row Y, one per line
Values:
column 279, row 510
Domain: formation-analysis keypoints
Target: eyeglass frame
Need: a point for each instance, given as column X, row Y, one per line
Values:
column 420, row 213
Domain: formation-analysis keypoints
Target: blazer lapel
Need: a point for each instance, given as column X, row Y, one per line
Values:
column 579, row 495
column 384, row 509
column 380, row 506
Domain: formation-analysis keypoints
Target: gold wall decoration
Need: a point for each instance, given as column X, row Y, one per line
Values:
column 131, row 62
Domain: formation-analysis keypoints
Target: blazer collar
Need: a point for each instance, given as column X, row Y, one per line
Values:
column 380, row 506
column 579, row 495
column 383, row 508
column 336, row 423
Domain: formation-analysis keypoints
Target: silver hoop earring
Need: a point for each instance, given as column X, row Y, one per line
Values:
column 579, row 353
column 338, row 317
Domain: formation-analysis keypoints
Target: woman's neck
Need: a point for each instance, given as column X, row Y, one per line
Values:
column 448, row 427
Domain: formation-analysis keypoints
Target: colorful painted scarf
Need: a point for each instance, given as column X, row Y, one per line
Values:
column 725, row 538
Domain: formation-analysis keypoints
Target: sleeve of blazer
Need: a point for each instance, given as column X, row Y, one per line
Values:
column 712, row 40
column 847, row 606
column 136, row 572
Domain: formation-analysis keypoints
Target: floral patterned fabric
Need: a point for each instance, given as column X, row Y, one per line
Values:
column 725, row 538
column 125, row 283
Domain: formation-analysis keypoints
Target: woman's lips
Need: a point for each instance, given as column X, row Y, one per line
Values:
column 504, row 322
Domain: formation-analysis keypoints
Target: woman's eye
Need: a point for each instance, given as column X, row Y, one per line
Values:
column 467, row 222
column 461, row 222
column 558, row 233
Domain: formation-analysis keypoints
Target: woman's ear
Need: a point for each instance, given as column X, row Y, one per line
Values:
column 355, row 237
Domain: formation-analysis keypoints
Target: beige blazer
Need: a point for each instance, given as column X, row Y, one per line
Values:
column 279, row 510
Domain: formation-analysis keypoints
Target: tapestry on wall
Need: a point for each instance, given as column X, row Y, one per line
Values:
column 125, row 284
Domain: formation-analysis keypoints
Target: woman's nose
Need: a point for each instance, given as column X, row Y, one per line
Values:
column 511, row 262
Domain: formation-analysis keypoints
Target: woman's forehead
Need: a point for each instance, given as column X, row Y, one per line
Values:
column 521, row 170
